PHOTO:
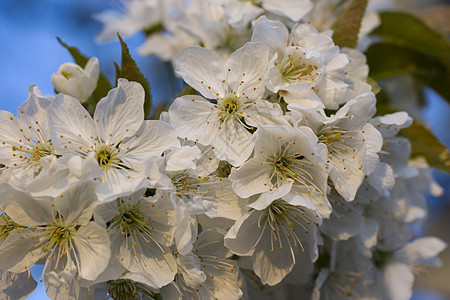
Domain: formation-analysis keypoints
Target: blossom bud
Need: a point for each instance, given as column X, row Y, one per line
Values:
column 75, row 81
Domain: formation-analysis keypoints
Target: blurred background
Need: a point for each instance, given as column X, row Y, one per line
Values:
column 30, row 54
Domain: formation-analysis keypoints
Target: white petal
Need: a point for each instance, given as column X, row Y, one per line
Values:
column 374, row 142
column 272, row 33
column 272, row 266
column 151, row 140
column 226, row 204
column 293, row 9
column 183, row 158
column 247, row 66
column 158, row 266
column 232, row 142
column 201, row 69
column 24, row 209
column 92, row 68
column 16, row 251
column 262, row 112
column 93, row 248
column 266, row 198
column 120, row 113
column 241, row 13
column 16, row 286
column 194, row 120
column 34, row 112
column 189, row 267
column 71, row 125
column 84, row 169
column 424, row 251
column 390, row 124
column 119, row 182
column 398, row 281
column 75, row 204
column 243, row 236
column 251, row 178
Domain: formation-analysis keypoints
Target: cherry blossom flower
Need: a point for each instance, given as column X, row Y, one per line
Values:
column 141, row 231
column 237, row 88
column 117, row 138
column 75, row 81
column 275, row 235
column 57, row 232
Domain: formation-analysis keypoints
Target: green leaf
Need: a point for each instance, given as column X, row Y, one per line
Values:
column 129, row 70
column 387, row 60
column 103, row 85
column 79, row 58
column 347, row 24
column 407, row 31
column 425, row 143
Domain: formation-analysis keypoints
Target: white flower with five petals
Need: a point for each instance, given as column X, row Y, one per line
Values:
column 237, row 87
column 118, row 137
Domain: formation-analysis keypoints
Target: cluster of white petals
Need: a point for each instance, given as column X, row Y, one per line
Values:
column 273, row 180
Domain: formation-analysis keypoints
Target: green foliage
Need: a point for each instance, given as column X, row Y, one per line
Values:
column 425, row 143
column 409, row 46
column 130, row 70
column 388, row 60
column 347, row 24
column 103, row 85
column 411, row 33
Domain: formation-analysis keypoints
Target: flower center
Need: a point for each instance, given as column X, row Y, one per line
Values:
column 185, row 184
column 130, row 219
column 331, row 135
column 340, row 142
column 33, row 155
column 6, row 225
column 294, row 68
column 285, row 165
column 230, row 107
column 106, row 156
column 282, row 219
column 224, row 169
column 288, row 165
column 59, row 235
column 127, row 289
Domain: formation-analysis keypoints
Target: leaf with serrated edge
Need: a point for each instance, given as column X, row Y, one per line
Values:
column 130, row 70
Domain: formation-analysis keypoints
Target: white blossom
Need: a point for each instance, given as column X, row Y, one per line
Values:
column 285, row 160
column 237, row 87
column 75, row 81
column 56, row 232
column 352, row 142
column 274, row 235
column 141, row 230
column 118, row 137
column 205, row 273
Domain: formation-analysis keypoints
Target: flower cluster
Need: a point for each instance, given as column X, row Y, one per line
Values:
column 273, row 181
